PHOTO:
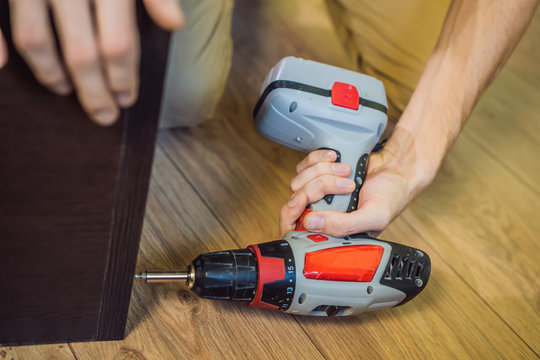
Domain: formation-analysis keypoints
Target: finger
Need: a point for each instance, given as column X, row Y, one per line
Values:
column 320, row 168
column 166, row 13
column 78, row 42
column 317, row 188
column 3, row 50
column 291, row 211
column 118, row 42
column 33, row 37
column 368, row 218
column 315, row 157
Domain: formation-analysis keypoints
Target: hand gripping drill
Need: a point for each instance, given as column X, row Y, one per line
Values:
column 307, row 106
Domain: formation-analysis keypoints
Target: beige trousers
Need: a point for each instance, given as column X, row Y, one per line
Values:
column 199, row 61
column 388, row 39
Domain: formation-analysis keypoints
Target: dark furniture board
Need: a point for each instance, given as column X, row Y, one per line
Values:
column 72, row 199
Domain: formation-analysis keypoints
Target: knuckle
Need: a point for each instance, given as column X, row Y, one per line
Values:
column 322, row 168
column 81, row 57
column 320, row 183
column 317, row 188
column 313, row 157
column 29, row 39
column 338, row 227
column 294, row 184
column 326, row 183
column 117, row 48
column 316, row 170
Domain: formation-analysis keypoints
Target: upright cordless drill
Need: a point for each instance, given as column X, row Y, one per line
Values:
column 307, row 106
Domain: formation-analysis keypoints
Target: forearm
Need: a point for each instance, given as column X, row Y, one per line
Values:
column 476, row 40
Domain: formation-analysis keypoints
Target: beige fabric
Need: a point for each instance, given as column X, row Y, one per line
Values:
column 199, row 62
column 391, row 40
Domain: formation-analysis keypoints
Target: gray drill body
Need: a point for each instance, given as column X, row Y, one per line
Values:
column 307, row 121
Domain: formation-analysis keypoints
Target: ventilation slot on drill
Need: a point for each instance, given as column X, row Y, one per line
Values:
column 407, row 270
column 419, row 271
column 404, row 267
column 392, row 265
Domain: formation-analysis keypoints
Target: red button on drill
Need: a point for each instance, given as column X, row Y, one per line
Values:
column 345, row 95
column 317, row 237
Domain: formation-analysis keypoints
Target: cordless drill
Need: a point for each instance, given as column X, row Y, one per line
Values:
column 307, row 106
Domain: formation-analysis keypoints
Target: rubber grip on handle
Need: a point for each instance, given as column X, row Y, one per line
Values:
column 346, row 202
column 359, row 178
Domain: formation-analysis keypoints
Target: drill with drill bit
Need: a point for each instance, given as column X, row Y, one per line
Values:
column 307, row 106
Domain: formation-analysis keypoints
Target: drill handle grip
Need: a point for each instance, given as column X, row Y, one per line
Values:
column 358, row 161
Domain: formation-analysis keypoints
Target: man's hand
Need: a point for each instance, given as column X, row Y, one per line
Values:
column 475, row 42
column 100, row 48
column 387, row 190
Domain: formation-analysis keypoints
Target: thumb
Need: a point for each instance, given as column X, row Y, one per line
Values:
column 333, row 223
column 3, row 51
column 291, row 211
column 166, row 13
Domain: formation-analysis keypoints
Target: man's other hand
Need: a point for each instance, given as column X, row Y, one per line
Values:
column 100, row 48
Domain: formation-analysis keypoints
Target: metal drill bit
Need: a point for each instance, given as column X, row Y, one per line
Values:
column 154, row 276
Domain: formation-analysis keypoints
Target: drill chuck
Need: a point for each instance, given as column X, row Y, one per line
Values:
column 226, row 275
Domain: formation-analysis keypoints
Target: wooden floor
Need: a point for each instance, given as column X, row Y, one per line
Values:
column 221, row 186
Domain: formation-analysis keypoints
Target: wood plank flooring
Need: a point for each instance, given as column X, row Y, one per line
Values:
column 221, row 185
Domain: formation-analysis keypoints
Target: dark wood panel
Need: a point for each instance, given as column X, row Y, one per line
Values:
column 132, row 185
column 72, row 203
